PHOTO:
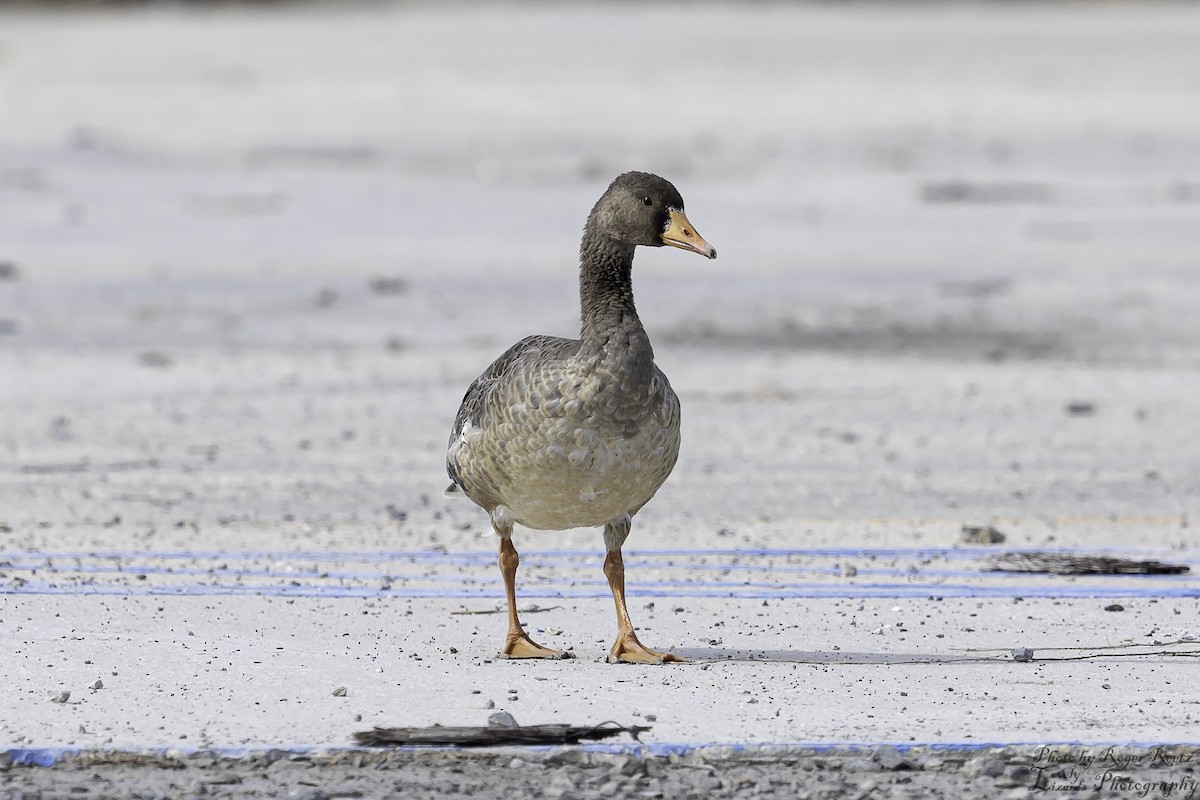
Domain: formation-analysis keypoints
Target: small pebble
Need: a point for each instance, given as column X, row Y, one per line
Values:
column 339, row 691
column 1114, row 607
column 989, row 767
column 61, row 697
column 1022, row 654
column 96, row 684
column 502, row 719
column 307, row 794
column 153, row 358
column 325, row 298
column 388, row 285
column 980, row 534
column 890, row 758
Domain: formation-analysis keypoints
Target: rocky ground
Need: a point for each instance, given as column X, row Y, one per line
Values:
column 827, row 774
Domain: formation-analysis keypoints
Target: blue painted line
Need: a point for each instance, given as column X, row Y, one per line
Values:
column 232, row 576
column 667, row 749
column 436, row 577
column 646, row 591
column 970, row 552
column 50, row 755
column 534, row 564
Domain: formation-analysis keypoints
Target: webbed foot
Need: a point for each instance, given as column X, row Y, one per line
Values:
column 627, row 649
column 518, row 645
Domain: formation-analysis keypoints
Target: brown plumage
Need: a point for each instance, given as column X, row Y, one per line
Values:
column 566, row 433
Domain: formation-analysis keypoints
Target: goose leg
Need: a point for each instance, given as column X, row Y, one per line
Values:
column 626, row 648
column 517, row 643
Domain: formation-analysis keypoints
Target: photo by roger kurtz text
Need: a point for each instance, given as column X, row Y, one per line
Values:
column 1119, row 771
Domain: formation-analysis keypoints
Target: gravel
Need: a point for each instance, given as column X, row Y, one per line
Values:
column 708, row 772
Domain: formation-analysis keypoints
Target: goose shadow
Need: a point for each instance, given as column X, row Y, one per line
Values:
column 713, row 655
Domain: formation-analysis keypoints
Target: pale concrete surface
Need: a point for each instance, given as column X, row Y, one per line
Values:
column 260, row 672
column 258, row 255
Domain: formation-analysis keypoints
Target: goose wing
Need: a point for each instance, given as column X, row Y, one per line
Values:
column 513, row 373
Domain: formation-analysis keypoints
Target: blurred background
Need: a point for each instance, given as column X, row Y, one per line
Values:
column 252, row 254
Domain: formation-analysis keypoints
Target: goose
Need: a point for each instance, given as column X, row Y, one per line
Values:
column 569, row 433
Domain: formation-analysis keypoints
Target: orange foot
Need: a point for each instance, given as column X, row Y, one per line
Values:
column 518, row 645
column 629, row 650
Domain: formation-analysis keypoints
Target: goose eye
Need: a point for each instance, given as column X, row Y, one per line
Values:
column 647, row 201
